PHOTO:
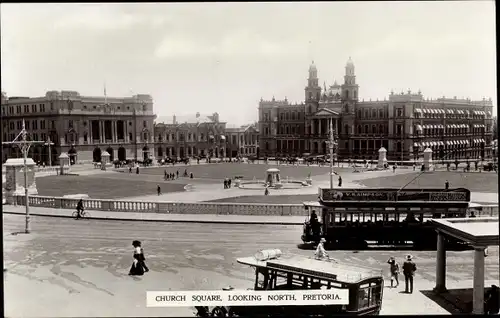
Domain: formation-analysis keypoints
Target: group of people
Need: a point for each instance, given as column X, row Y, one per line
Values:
column 227, row 183
column 173, row 176
column 409, row 269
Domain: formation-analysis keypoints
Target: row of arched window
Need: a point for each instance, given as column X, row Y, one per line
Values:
column 370, row 114
column 365, row 129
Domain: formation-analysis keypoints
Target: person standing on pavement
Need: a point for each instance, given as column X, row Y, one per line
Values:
column 340, row 181
column 447, row 185
column 394, row 271
column 409, row 269
column 158, row 189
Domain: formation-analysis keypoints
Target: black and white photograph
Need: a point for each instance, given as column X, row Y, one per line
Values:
column 253, row 159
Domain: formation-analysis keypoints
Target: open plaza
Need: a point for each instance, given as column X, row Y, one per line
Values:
column 88, row 260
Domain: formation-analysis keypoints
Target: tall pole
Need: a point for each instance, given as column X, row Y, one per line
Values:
column 331, row 153
column 25, row 145
column 134, row 136
column 49, row 143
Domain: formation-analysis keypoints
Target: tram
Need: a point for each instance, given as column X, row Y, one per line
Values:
column 384, row 216
column 297, row 272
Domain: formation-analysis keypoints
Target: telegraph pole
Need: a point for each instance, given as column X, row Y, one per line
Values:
column 25, row 145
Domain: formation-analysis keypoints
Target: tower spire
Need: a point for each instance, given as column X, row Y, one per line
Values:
column 105, row 95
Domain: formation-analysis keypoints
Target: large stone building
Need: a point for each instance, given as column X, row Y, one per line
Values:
column 405, row 124
column 190, row 136
column 82, row 126
column 243, row 141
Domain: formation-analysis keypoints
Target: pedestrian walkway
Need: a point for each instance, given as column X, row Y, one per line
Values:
column 162, row 217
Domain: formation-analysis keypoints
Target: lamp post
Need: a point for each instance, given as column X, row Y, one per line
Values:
column 25, row 145
column 331, row 145
column 49, row 143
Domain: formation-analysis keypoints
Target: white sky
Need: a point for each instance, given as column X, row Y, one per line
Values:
column 224, row 57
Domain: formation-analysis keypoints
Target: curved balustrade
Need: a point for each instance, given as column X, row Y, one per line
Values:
column 188, row 208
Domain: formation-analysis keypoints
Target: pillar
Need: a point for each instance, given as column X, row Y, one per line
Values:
column 478, row 291
column 103, row 137
column 91, row 138
column 440, row 264
column 320, row 132
column 312, row 127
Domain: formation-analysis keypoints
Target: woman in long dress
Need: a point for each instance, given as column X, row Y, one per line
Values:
column 138, row 266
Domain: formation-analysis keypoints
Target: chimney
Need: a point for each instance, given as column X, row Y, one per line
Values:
column 197, row 115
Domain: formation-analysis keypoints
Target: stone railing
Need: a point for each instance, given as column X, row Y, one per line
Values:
column 166, row 207
column 188, row 208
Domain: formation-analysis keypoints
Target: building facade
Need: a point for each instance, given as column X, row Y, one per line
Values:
column 243, row 141
column 82, row 126
column 190, row 136
column 404, row 124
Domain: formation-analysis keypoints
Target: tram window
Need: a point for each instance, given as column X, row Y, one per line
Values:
column 331, row 218
column 391, row 217
column 260, row 280
column 337, row 217
column 379, row 217
column 369, row 296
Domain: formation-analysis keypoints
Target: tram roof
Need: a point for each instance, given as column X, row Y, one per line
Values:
column 302, row 265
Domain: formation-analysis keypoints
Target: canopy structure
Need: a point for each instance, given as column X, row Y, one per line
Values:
column 478, row 232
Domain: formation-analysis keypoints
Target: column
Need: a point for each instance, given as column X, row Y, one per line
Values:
column 101, row 127
column 113, row 131
column 224, row 150
column 312, row 127
column 440, row 264
column 478, row 292
column 320, row 130
column 91, row 138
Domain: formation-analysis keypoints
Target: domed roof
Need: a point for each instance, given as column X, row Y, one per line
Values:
column 350, row 63
column 312, row 67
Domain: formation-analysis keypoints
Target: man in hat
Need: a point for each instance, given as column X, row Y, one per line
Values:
column 320, row 250
column 409, row 269
column 394, row 270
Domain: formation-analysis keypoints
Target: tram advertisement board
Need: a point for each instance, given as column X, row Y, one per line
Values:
column 430, row 195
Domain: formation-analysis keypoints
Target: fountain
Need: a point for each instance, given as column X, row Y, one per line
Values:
column 273, row 180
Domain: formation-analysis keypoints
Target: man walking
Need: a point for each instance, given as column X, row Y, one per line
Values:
column 409, row 269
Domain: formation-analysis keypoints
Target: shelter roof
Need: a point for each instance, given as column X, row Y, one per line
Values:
column 480, row 231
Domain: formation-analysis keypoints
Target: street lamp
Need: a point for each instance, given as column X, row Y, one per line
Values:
column 49, row 143
column 24, row 145
column 331, row 144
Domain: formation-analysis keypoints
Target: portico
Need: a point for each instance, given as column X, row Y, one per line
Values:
column 478, row 232
column 319, row 124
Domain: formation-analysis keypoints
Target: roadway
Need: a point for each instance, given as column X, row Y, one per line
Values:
column 79, row 268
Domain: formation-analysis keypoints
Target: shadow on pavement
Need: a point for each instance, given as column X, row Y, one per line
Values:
column 455, row 301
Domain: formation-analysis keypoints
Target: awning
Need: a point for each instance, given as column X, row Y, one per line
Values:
column 466, row 112
column 211, row 137
column 419, row 127
column 222, row 137
column 455, row 142
column 466, row 142
column 483, row 113
column 482, row 140
column 462, row 142
column 434, row 143
column 489, row 113
column 418, row 110
column 441, row 143
column 448, row 142
column 441, row 126
column 416, row 144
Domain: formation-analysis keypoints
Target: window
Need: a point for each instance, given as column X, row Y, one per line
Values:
column 35, row 124
column 35, row 136
column 400, row 112
column 18, row 109
column 366, row 129
column 189, row 137
column 11, row 125
column 33, row 108
column 144, row 124
column 399, row 129
column 381, row 129
column 19, row 125
column 26, row 108
column 53, row 124
column 42, row 124
column 374, row 113
column 359, row 129
column 374, row 129
column 42, row 107
column 381, row 113
column 70, row 124
column 130, row 137
column 85, row 138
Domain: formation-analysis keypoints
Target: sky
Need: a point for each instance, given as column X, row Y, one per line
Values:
column 225, row 57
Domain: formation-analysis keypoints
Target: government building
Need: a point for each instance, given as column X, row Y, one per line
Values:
column 405, row 124
column 81, row 126
column 200, row 135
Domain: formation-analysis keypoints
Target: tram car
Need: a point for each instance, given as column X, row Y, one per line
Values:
column 354, row 217
column 274, row 271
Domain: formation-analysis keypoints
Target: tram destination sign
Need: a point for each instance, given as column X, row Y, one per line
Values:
column 431, row 195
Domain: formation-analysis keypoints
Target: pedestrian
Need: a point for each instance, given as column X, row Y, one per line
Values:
column 129, row 169
column 266, row 191
column 320, row 252
column 409, row 269
column 158, row 189
column 447, row 185
column 138, row 267
column 394, row 271
column 414, row 166
column 225, row 183
column 340, row 181
column 137, row 170
column 229, row 183
column 191, row 176
column 491, row 301
column 165, row 174
column 177, row 174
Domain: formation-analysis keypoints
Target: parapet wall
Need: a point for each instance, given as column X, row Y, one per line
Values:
column 186, row 208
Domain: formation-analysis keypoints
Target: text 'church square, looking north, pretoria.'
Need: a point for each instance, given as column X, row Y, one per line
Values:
column 405, row 124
